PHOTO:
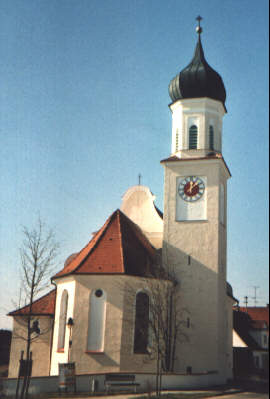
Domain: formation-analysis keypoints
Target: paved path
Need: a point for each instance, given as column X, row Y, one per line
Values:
column 134, row 396
column 244, row 395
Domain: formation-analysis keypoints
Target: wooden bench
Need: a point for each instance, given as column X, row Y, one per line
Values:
column 120, row 380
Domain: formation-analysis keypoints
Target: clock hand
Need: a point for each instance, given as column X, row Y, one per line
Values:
column 192, row 185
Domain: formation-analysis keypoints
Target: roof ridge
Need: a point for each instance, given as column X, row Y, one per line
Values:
column 139, row 231
column 121, row 239
column 95, row 240
column 98, row 237
column 120, row 224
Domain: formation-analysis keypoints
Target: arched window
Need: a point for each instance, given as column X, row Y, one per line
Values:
column 62, row 320
column 96, row 321
column 211, row 138
column 193, row 137
column 141, row 335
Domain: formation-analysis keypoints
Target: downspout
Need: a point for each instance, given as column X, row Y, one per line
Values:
column 52, row 332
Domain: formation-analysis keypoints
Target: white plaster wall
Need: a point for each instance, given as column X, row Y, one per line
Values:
column 222, row 203
column 69, row 284
column 97, row 321
column 203, row 286
column 224, row 323
column 237, row 341
column 229, row 337
column 177, row 127
column 40, row 346
column 117, row 354
column 84, row 382
column 202, row 112
column 108, row 360
column 138, row 205
column 179, row 381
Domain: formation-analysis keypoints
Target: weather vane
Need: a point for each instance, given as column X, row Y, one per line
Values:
column 199, row 28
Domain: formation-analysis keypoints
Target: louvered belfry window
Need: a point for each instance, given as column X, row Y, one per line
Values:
column 193, row 137
column 211, row 137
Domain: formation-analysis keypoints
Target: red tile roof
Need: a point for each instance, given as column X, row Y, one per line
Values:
column 242, row 325
column 43, row 306
column 119, row 247
column 257, row 313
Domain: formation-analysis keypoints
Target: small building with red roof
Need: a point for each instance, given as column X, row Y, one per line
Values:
column 251, row 340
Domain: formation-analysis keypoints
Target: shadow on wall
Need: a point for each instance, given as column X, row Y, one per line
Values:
column 201, row 293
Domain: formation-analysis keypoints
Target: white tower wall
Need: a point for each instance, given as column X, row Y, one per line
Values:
column 195, row 236
column 203, row 113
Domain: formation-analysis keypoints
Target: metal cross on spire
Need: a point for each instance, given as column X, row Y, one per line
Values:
column 199, row 28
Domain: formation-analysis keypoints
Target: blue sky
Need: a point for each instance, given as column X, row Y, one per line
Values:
column 84, row 109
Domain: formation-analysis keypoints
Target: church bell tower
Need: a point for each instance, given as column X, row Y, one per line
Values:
column 195, row 215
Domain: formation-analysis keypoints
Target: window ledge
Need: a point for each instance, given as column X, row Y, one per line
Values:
column 95, row 352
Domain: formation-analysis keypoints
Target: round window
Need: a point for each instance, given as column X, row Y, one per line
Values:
column 99, row 293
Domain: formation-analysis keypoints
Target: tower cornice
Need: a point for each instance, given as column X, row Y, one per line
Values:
column 202, row 102
column 217, row 157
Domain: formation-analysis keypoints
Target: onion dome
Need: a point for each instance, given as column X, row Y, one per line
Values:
column 198, row 79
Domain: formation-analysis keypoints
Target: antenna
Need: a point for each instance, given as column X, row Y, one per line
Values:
column 246, row 301
column 139, row 178
column 256, row 287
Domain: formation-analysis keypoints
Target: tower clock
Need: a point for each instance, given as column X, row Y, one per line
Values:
column 191, row 198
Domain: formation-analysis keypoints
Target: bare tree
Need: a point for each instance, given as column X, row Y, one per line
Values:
column 38, row 255
column 166, row 320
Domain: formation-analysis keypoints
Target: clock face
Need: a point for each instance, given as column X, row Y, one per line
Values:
column 191, row 188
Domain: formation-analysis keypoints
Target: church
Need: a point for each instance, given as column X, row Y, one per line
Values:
column 92, row 316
